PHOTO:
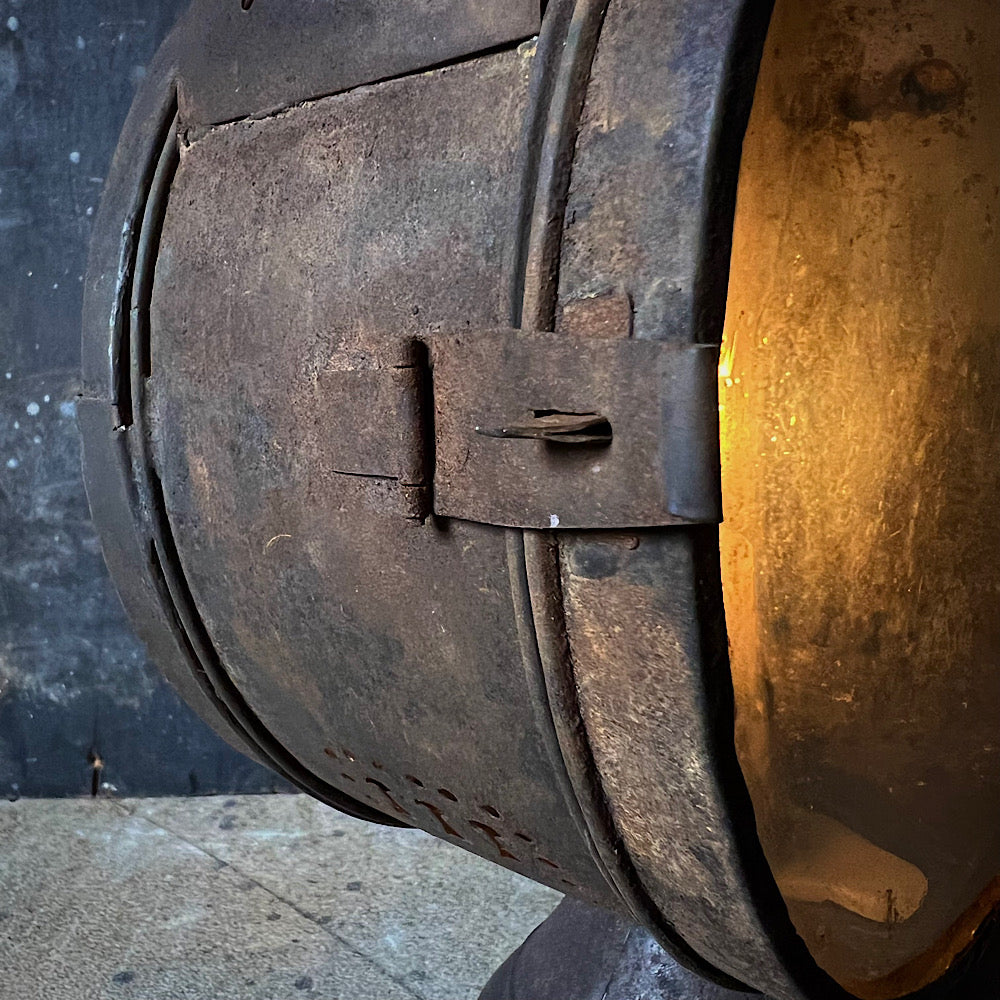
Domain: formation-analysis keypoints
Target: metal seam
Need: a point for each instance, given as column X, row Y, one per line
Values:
column 199, row 130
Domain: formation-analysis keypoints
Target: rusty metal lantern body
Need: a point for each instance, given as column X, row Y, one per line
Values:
column 401, row 423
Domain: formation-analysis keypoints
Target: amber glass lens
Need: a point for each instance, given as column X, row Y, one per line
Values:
column 860, row 413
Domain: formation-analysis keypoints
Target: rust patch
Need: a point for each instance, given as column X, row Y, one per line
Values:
column 604, row 316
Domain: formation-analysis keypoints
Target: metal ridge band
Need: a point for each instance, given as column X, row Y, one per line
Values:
column 566, row 54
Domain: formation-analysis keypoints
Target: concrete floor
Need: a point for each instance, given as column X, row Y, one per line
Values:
column 269, row 897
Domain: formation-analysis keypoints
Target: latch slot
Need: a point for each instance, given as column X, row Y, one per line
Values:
column 556, row 428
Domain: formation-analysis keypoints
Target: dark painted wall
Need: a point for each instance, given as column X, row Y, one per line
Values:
column 74, row 680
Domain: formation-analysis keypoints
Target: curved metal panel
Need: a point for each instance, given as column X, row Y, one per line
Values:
column 255, row 58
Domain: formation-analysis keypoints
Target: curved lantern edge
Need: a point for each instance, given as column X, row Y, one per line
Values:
column 122, row 485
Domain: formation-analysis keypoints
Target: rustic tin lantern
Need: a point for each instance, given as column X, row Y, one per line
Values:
column 403, row 408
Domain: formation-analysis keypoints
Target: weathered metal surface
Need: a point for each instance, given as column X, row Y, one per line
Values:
column 374, row 423
column 533, row 557
column 649, row 209
column 297, row 250
column 125, row 493
column 606, row 315
column 629, row 234
column 374, row 419
column 554, row 137
column 658, row 464
column 637, row 653
column 636, row 130
column 558, row 702
column 275, row 53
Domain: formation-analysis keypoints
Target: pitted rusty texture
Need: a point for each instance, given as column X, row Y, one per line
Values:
column 557, row 699
column 301, row 255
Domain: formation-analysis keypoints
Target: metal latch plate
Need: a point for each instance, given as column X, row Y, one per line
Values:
column 498, row 393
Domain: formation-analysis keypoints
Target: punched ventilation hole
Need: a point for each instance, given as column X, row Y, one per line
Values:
column 494, row 836
column 385, row 791
column 439, row 816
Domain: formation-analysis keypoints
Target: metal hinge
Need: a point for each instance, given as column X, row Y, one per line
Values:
column 531, row 430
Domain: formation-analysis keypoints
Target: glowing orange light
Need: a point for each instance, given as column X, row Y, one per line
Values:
column 726, row 357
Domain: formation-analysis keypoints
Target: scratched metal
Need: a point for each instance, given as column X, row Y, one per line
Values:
column 297, row 251
column 646, row 218
column 560, row 703
column 657, row 465
column 863, row 363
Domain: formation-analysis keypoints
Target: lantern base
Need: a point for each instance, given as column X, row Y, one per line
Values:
column 587, row 953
